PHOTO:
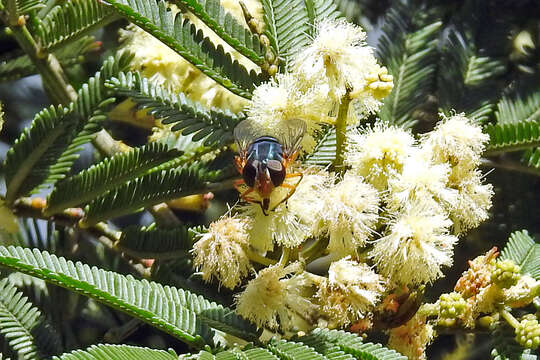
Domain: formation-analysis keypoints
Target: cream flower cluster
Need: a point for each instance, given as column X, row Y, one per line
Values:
column 337, row 251
column 338, row 63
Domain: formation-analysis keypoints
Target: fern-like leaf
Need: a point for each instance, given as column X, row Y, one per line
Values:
column 23, row 326
column 518, row 108
column 145, row 191
column 45, row 151
column 154, row 243
column 106, row 351
column 106, row 175
column 71, row 20
column 16, row 8
column 505, row 137
column 325, row 340
column 410, row 54
column 324, row 152
column 214, row 124
column 319, row 10
column 17, row 67
column 227, row 27
column 524, row 251
column 287, row 26
column 293, row 350
column 180, row 35
column 531, row 157
column 49, row 130
column 467, row 78
column 188, row 317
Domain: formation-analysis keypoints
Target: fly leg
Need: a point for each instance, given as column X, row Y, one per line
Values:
column 292, row 188
column 243, row 193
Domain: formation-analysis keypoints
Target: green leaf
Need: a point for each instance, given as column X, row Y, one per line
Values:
column 227, row 27
column 287, row 26
column 524, row 251
column 410, row 53
column 214, row 124
column 23, row 326
column 468, row 79
column 21, row 66
column 113, row 352
column 71, row 20
column 22, row 7
column 531, row 157
column 108, row 174
column 15, row 68
column 505, row 137
column 145, row 191
column 518, row 108
column 46, row 150
column 293, row 350
column 154, row 243
column 324, row 152
column 183, row 315
column 319, row 10
column 324, row 341
column 154, row 17
column 46, row 138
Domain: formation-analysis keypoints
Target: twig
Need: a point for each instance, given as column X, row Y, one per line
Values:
column 341, row 132
column 505, row 164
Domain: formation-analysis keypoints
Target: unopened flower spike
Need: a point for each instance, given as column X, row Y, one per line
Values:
column 221, row 252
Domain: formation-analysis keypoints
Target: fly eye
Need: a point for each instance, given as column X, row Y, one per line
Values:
column 277, row 172
column 249, row 173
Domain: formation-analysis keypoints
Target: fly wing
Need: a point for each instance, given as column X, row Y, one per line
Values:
column 244, row 134
column 290, row 135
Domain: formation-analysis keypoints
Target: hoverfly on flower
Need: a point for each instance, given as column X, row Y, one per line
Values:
column 263, row 160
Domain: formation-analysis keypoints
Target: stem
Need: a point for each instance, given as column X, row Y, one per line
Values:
column 511, row 166
column 315, row 250
column 510, row 319
column 285, row 252
column 341, row 132
column 54, row 80
column 33, row 208
column 255, row 257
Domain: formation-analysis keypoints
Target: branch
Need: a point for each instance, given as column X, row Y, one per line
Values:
column 53, row 77
column 33, row 208
column 506, row 164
